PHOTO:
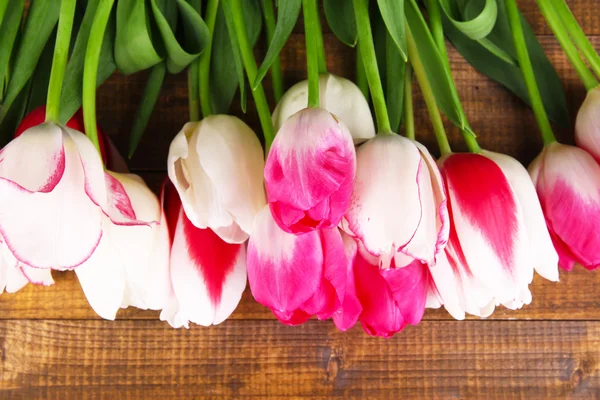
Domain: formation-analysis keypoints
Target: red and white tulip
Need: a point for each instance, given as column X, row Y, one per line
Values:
column 309, row 173
column 339, row 96
column 587, row 124
column 208, row 274
column 217, row 167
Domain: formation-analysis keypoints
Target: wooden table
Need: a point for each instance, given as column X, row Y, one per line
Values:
column 53, row 346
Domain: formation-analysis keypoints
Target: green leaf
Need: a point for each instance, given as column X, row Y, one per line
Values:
column 13, row 117
column 508, row 73
column 134, row 49
column 341, row 20
column 73, row 85
column 8, row 32
column 438, row 75
column 254, row 19
column 3, row 6
column 287, row 15
column 477, row 26
column 392, row 12
column 38, row 92
column 149, row 97
column 394, row 89
column 40, row 23
column 180, row 54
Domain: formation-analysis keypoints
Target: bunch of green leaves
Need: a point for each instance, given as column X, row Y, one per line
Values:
column 480, row 31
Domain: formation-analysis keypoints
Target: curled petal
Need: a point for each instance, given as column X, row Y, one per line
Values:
column 37, row 276
column 347, row 315
column 409, row 287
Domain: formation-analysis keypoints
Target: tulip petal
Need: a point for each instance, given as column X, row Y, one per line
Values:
column 37, row 276
column 209, row 275
column 292, row 318
column 385, row 210
column 284, row 270
column 49, row 203
column 544, row 256
column 409, row 287
column 309, row 173
column 347, row 315
column 11, row 277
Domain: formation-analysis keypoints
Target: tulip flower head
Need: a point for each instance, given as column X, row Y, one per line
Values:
column 217, row 168
column 398, row 207
column 309, row 173
column 339, row 96
column 567, row 180
column 208, row 274
column 587, row 125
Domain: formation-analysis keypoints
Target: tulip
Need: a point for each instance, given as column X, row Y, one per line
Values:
column 297, row 276
column 216, row 166
column 567, row 180
column 391, row 298
column 309, row 173
column 130, row 265
column 339, row 96
column 489, row 255
column 398, row 207
column 587, row 124
column 207, row 273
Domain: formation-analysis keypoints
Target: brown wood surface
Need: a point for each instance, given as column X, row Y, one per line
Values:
column 53, row 346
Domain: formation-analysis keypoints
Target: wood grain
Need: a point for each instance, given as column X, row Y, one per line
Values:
column 144, row 360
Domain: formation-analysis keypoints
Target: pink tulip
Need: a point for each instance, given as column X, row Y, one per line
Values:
column 208, row 274
column 298, row 276
column 217, row 167
column 130, row 265
column 567, row 180
column 587, row 125
column 398, row 207
column 489, row 253
column 339, row 96
column 309, row 173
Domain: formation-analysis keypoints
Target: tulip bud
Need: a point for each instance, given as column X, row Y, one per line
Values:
column 339, row 96
column 217, row 168
column 309, row 173
column 567, row 180
column 587, row 125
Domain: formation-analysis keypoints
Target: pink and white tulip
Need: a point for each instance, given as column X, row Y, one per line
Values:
column 207, row 273
column 587, row 125
column 130, row 265
column 217, row 167
column 493, row 246
column 298, row 276
column 339, row 96
column 398, row 207
column 309, row 173
column 567, row 180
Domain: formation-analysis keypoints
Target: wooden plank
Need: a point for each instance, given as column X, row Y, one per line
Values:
column 503, row 122
column 574, row 298
column 142, row 359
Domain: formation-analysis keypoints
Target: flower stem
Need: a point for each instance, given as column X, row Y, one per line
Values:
column 553, row 19
column 276, row 73
column 260, row 99
column 428, row 96
column 577, row 34
column 59, row 61
column 361, row 75
column 193, row 91
column 367, row 50
column 204, row 64
column 409, row 117
column 311, row 15
column 90, row 69
column 525, row 63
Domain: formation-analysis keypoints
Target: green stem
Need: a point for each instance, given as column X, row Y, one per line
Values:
column 59, row 61
column 260, row 99
column 311, row 33
column 525, row 63
column 204, row 64
column 577, row 34
column 553, row 19
column 319, row 43
column 428, row 96
column 193, row 92
column 276, row 73
column 367, row 50
column 361, row 75
column 409, row 117
column 90, row 69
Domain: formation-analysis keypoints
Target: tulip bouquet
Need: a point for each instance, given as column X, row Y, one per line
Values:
column 326, row 213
